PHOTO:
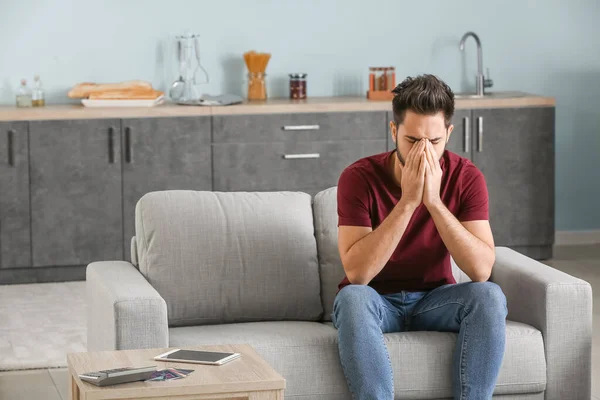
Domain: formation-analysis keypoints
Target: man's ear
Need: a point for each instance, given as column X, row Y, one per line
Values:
column 393, row 130
column 450, row 129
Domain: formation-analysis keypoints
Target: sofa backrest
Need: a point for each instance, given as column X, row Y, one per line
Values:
column 330, row 264
column 220, row 257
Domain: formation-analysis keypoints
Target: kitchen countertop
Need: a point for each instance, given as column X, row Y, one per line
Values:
column 313, row 104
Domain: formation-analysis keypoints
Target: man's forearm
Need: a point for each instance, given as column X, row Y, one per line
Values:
column 367, row 257
column 471, row 254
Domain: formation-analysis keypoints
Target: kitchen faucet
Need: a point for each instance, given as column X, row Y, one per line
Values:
column 481, row 81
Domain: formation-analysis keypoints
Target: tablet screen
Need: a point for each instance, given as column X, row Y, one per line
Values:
column 194, row 355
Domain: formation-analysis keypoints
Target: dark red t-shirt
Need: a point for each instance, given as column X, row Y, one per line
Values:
column 366, row 195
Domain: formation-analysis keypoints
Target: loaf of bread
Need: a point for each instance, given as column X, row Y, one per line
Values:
column 125, row 94
column 87, row 89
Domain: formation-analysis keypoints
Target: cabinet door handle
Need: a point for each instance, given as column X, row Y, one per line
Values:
column 301, row 127
column 299, row 156
column 480, row 134
column 467, row 134
column 128, row 146
column 111, row 145
column 11, row 140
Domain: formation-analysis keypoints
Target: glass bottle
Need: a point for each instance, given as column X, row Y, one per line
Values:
column 257, row 89
column 37, row 95
column 23, row 95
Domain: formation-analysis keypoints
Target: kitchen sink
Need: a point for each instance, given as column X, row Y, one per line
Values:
column 491, row 95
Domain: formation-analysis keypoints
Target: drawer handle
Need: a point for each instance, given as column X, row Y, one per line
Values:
column 301, row 127
column 467, row 135
column 128, row 146
column 480, row 134
column 11, row 141
column 300, row 156
column 111, row 145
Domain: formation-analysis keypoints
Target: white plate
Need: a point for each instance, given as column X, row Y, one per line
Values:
column 123, row 103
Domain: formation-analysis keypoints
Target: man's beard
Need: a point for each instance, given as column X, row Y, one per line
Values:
column 399, row 156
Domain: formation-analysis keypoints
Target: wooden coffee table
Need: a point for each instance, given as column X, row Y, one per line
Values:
column 249, row 377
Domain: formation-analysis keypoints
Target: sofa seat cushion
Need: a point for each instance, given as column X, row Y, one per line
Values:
column 306, row 355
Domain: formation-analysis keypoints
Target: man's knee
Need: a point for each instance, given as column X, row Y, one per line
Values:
column 355, row 295
column 489, row 295
column 355, row 300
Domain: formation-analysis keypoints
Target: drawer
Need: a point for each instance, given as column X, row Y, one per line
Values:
column 298, row 127
column 285, row 165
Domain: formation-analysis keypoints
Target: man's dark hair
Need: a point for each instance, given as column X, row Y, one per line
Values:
column 424, row 94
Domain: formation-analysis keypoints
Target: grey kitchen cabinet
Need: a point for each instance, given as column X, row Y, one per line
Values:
column 286, row 166
column 172, row 153
column 76, row 210
column 514, row 148
column 299, row 127
column 15, row 245
column 68, row 188
column 299, row 151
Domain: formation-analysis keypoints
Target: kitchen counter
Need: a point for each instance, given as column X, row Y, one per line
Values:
column 313, row 104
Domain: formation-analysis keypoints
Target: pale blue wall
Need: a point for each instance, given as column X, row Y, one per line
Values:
column 545, row 47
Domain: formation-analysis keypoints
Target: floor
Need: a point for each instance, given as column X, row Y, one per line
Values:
column 580, row 261
column 40, row 324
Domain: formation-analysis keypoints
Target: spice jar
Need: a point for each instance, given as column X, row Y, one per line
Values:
column 257, row 89
column 297, row 86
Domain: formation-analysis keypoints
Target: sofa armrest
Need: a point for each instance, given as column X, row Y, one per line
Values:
column 560, row 306
column 123, row 310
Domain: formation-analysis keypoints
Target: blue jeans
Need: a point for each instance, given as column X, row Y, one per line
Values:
column 475, row 310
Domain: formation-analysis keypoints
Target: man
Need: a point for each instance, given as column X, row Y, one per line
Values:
column 402, row 214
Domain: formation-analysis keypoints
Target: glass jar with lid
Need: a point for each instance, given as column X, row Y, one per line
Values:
column 298, row 86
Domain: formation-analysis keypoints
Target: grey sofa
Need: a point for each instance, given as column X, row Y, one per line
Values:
column 263, row 269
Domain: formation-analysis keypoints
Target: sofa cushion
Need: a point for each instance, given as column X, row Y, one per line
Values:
column 229, row 257
column 306, row 355
column 326, row 231
column 330, row 264
column 133, row 252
